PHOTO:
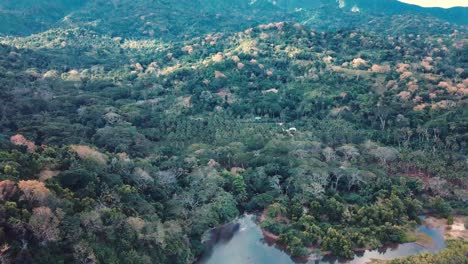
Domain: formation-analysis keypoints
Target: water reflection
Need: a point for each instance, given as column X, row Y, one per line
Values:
column 245, row 246
column 242, row 242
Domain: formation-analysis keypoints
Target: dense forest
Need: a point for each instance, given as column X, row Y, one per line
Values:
column 130, row 128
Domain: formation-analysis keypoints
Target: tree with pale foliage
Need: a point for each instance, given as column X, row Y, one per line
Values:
column 329, row 154
column 385, row 154
column 309, row 182
column 20, row 140
column 34, row 191
column 349, row 152
column 83, row 253
column 44, row 224
column 86, row 152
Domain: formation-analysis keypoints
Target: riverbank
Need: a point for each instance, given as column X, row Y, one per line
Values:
column 457, row 230
column 244, row 241
column 269, row 237
column 429, row 236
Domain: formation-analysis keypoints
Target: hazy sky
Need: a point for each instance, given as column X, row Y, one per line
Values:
column 438, row 3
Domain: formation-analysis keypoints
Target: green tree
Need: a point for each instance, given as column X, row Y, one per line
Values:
column 239, row 187
column 337, row 243
column 441, row 207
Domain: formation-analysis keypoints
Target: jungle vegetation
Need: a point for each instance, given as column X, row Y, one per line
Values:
column 127, row 133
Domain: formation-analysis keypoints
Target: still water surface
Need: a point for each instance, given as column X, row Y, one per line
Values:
column 242, row 242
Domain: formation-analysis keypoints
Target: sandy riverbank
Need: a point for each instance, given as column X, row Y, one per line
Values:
column 455, row 231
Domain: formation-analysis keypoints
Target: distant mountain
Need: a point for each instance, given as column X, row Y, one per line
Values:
column 183, row 19
column 24, row 17
column 457, row 15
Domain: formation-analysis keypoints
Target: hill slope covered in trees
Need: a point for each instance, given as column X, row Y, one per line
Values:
column 169, row 20
column 126, row 134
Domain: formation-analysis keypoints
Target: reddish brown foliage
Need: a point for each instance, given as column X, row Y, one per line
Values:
column 86, row 152
column 34, row 191
column 7, row 189
column 20, row 140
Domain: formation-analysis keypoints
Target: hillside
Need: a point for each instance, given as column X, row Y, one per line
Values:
column 127, row 133
column 167, row 20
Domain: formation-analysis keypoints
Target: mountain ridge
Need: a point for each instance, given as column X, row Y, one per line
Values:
column 227, row 14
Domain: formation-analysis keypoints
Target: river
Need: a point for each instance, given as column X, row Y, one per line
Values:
column 242, row 242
